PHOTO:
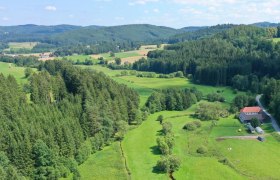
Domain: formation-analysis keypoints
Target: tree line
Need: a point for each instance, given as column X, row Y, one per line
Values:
column 172, row 100
column 70, row 114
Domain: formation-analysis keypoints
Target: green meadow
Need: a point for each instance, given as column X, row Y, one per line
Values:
column 276, row 40
column 119, row 55
column 22, row 45
column 11, row 69
column 145, row 86
column 247, row 159
column 80, row 58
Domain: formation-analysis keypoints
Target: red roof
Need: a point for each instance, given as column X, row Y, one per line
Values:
column 255, row 109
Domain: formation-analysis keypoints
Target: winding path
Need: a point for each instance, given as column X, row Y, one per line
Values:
column 273, row 121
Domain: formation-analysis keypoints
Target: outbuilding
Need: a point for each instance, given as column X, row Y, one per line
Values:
column 259, row 130
column 250, row 128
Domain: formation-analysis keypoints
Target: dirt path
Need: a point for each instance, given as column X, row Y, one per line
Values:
column 238, row 137
column 273, row 121
column 125, row 162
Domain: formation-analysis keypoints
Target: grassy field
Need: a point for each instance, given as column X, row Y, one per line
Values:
column 10, row 69
column 22, row 45
column 81, row 58
column 245, row 158
column 276, row 40
column 119, row 55
column 109, row 159
column 145, row 86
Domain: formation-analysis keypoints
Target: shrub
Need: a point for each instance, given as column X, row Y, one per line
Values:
column 202, row 150
column 255, row 122
column 166, row 127
column 197, row 123
column 168, row 164
column 190, row 126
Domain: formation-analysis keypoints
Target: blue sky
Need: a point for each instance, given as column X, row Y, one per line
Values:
column 172, row 13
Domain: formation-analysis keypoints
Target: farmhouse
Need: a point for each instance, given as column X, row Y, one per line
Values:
column 248, row 113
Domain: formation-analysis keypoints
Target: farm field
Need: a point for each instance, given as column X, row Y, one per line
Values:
column 22, row 45
column 10, row 69
column 80, row 58
column 276, row 40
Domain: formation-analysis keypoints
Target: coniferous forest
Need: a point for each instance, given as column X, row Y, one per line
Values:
column 70, row 114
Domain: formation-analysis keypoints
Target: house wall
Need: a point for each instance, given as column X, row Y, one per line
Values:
column 249, row 116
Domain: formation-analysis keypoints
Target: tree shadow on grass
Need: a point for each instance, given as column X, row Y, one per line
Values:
column 160, row 132
column 157, row 171
column 155, row 150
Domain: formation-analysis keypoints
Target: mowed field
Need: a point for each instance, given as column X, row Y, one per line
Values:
column 276, row 40
column 22, row 45
column 10, row 69
column 244, row 156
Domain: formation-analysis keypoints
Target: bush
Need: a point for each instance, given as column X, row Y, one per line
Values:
column 197, row 123
column 28, row 72
column 215, row 97
column 190, row 126
column 202, row 150
column 255, row 122
column 166, row 127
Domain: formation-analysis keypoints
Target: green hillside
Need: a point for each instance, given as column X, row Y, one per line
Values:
column 135, row 33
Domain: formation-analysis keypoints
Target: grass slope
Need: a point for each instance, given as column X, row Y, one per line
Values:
column 145, row 86
column 22, row 45
column 10, row 69
column 249, row 159
column 106, row 164
column 276, row 40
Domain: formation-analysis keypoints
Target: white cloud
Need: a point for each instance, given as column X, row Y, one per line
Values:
column 50, row 8
column 103, row 0
column 141, row 2
column 118, row 18
column 5, row 19
column 156, row 10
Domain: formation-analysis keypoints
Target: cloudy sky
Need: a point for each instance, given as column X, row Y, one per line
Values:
column 172, row 13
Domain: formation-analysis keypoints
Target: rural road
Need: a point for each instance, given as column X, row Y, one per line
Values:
column 273, row 121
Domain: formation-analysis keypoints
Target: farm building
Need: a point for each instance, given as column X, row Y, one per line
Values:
column 249, row 113
column 259, row 130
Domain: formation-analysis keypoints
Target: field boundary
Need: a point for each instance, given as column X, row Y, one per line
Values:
column 125, row 162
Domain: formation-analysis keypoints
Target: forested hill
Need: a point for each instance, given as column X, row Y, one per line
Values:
column 242, row 50
column 72, row 114
column 266, row 24
column 127, row 33
column 68, row 34
column 30, row 32
column 198, row 33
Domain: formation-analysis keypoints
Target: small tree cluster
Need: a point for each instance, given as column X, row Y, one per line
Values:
column 191, row 126
column 210, row 111
column 172, row 99
column 168, row 162
column 215, row 97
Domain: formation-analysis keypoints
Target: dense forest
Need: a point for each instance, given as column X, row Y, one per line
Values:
column 70, row 114
column 242, row 50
